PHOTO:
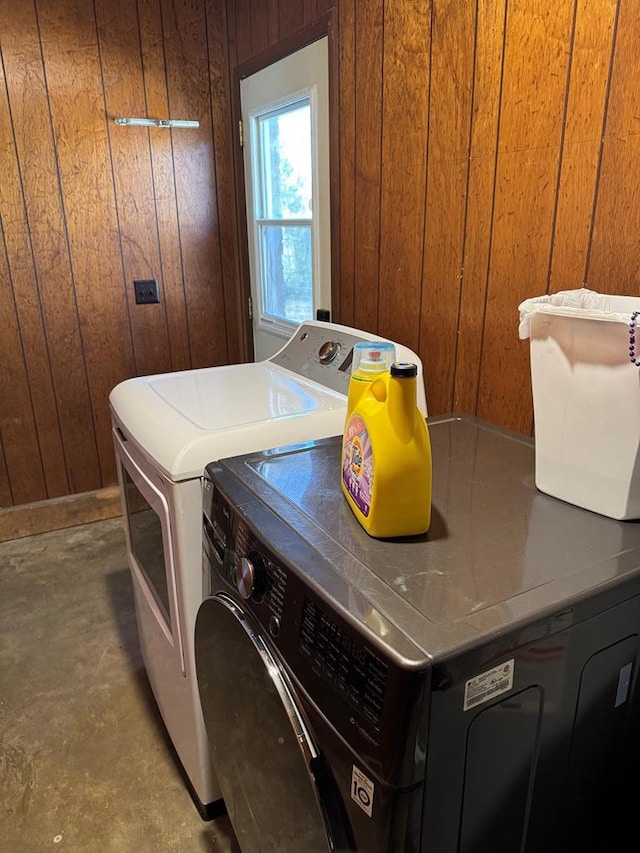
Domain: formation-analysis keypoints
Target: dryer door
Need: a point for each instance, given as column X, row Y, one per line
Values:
column 277, row 790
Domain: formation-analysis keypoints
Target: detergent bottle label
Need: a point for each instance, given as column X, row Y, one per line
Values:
column 357, row 464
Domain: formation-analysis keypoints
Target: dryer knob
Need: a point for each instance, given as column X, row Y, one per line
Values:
column 250, row 576
column 328, row 351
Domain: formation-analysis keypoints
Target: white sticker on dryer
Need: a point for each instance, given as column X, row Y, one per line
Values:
column 488, row 684
column 362, row 790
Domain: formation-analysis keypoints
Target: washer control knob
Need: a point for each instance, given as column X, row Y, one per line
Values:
column 328, row 351
column 250, row 576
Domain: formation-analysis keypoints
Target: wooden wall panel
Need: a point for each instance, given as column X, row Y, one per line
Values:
column 164, row 187
column 186, row 51
column 6, row 498
column 241, row 12
column 494, row 181
column 344, row 240
column 234, row 302
column 614, row 262
column 274, row 22
column 86, row 207
column 533, row 107
column 369, row 20
column 130, row 149
column 17, row 422
column 471, row 174
column 36, row 406
column 406, row 72
column 259, row 26
column 452, row 43
column 42, row 214
column 77, row 107
column 290, row 16
column 309, row 11
column 590, row 63
column 487, row 79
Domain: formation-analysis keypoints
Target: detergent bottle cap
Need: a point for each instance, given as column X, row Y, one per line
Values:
column 404, row 369
column 373, row 357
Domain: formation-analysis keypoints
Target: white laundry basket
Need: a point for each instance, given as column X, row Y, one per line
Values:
column 586, row 399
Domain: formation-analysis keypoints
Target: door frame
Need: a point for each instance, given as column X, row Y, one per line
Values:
column 326, row 25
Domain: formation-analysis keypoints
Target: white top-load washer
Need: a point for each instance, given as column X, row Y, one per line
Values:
column 166, row 428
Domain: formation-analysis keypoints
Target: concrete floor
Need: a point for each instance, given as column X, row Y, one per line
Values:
column 85, row 763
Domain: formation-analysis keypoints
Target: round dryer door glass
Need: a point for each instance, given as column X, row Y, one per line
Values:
column 260, row 748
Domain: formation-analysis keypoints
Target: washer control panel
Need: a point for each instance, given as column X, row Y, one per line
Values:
column 242, row 561
column 343, row 660
column 368, row 697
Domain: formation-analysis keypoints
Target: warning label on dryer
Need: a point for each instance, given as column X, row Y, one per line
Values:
column 488, row 684
column 362, row 790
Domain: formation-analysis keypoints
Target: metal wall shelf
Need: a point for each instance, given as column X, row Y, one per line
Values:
column 156, row 122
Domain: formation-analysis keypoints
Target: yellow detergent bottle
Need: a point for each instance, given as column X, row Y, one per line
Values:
column 371, row 359
column 386, row 457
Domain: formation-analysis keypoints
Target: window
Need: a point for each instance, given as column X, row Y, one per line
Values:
column 284, row 224
column 285, row 116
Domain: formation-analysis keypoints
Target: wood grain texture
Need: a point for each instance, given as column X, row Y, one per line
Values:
column 45, row 219
column 290, row 16
column 30, row 519
column 331, row 19
column 6, row 497
column 614, row 260
column 590, row 63
column 273, row 7
column 406, row 72
column 98, row 210
column 309, row 11
column 76, row 98
column 186, row 52
column 488, row 181
column 345, row 309
column 17, row 421
column 238, row 347
column 164, row 188
column 259, row 25
column 324, row 6
column 533, row 100
column 452, row 45
column 241, row 11
column 487, row 79
column 368, row 162
column 122, row 74
column 21, row 284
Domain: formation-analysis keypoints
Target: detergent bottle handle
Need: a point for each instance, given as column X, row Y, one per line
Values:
column 378, row 390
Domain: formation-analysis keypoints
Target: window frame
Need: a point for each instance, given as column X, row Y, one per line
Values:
column 269, row 323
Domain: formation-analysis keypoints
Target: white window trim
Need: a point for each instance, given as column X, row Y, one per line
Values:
column 266, row 322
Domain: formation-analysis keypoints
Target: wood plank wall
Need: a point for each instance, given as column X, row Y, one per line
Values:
column 488, row 151
column 87, row 206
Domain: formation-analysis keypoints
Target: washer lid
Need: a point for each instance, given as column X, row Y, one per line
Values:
column 184, row 420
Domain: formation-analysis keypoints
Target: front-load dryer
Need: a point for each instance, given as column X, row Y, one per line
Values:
column 166, row 428
column 473, row 690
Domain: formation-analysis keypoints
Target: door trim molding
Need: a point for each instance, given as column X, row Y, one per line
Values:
column 326, row 25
